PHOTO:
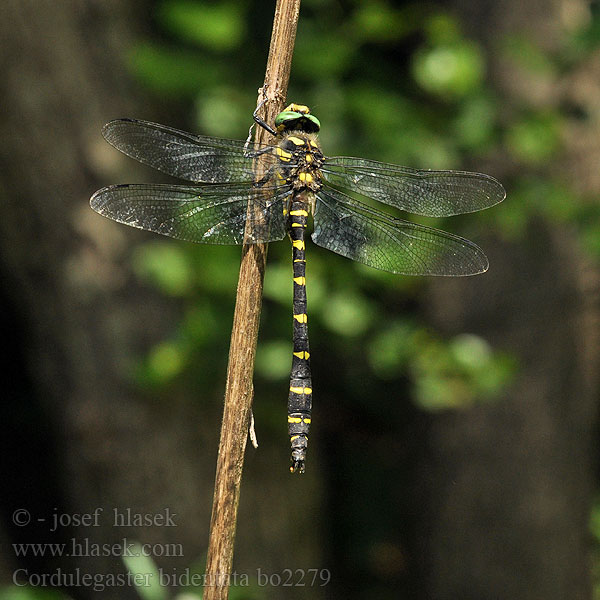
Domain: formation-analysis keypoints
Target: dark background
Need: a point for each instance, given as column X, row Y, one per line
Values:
column 453, row 452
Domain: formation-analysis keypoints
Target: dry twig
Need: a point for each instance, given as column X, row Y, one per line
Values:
column 242, row 350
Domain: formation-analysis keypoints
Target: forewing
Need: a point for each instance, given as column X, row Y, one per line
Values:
column 427, row 193
column 211, row 214
column 196, row 158
column 356, row 231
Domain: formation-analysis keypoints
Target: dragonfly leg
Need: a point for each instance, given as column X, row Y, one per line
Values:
column 255, row 153
column 260, row 121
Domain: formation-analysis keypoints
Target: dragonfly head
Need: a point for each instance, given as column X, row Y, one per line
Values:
column 297, row 117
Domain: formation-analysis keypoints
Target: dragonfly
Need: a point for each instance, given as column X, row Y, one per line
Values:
column 232, row 201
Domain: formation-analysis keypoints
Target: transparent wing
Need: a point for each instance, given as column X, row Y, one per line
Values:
column 196, row 158
column 211, row 214
column 427, row 193
column 360, row 233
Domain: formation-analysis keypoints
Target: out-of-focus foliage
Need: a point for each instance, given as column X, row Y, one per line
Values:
column 219, row 27
column 153, row 584
column 534, row 135
column 144, row 574
column 595, row 531
column 447, row 65
column 31, row 593
column 397, row 82
column 447, row 374
column 432, row 111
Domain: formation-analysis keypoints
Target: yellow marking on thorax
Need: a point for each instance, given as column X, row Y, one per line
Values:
column 298, row 224
column 301, row 318
column 296, row 140
column 301, row 390
column 299, row 213
column 306, row 177
column 308, row 158
column 283, row 155
column 300, row 280
column 299, row 244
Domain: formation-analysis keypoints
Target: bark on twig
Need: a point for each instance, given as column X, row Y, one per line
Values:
column 239, row 389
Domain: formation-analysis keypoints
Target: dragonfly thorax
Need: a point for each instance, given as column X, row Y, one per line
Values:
column 300, row 160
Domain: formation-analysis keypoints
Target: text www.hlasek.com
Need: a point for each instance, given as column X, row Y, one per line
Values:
column 85, row 547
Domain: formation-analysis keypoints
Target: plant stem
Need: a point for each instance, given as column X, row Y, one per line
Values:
column 242, row 349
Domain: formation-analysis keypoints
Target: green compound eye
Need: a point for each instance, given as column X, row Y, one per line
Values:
column 286, row 116
column 316, row 124
column 292, row 120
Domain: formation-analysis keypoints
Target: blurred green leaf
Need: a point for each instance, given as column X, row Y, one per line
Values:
column 376, row 20
column 442, row 29
column 474, row 123
column 172, row 72
column 216, row 268
column 458, row 373
column 220, row 26
column 470, row 352
column 201, row 323
column 436, row 393
column 528, row 55
column 449, row 71
column 595, row 521
column 591, row 237
column 165, row 264
column 274, row 359
column 322, row 56
column 535, row 138
column 30, row 593
column 165, row 361
column 413, row 142
column 512, row 219
column 224, row 112
column 146, row 569
column 496, row 375
column 278, row 284
column 391, row 348
column 347, row 314
column 585, row 38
